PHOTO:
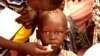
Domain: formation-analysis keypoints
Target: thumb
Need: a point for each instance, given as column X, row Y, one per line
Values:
column 41, row 47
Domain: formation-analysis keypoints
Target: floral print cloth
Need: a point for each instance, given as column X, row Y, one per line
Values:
column 96, row 19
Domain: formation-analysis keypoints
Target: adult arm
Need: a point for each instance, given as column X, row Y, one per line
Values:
column 29, row 48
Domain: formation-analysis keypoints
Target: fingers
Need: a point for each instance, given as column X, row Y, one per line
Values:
column 22, row 19
column 27, row 22
column 35, row 49
column 27, row 25
column 39, row 51
column 40, row 47
column 1, row 37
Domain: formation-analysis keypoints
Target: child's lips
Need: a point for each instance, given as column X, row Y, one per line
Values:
column 54, row 44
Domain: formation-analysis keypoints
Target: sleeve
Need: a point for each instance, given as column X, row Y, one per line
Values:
column 22, row 35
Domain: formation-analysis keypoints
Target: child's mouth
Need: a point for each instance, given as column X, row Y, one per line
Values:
column 49, row 48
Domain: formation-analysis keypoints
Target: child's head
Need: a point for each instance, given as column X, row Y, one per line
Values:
column 44, row 4
column 52, row 28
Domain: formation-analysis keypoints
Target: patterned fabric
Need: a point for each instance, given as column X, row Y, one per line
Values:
column 16, row 5
column 96, row 19
column 66, row 53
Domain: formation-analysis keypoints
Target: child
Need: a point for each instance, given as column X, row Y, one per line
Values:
column 18, row 6
column 52, row 26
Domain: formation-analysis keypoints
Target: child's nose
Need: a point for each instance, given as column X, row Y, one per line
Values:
column 53, row 36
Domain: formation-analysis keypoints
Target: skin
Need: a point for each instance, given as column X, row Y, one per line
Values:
column 28, row 16
column 31, row 51
column 78, row 13
column 23, row 47
column 29, row 48
column 52, row 29
column 44, row 4
column 79, row 9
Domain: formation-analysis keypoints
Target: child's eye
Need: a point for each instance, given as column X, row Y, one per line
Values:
column 58, row 32
column 46, row 32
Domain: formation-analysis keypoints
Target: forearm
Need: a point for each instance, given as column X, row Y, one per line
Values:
column 10, row 44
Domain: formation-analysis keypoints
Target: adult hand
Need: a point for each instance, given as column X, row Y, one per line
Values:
column 35, row 49
column 27, row 18
column 28, row 48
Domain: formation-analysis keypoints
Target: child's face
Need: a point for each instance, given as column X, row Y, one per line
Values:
column 52, row 32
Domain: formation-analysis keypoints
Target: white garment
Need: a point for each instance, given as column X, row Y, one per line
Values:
column 93, row 51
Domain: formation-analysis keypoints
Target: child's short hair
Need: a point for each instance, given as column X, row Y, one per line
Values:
column 47, row 14
column 52, row 27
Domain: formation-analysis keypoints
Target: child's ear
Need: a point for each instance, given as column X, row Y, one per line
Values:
column 66, row 34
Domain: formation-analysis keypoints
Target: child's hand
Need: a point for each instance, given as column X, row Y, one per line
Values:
column 35, row 49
